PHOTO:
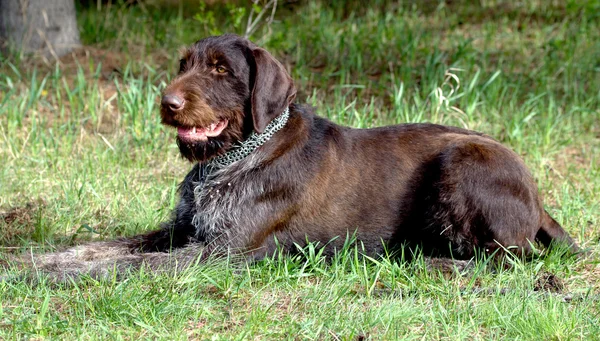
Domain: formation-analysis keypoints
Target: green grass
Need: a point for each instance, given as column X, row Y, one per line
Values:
column 84, row 157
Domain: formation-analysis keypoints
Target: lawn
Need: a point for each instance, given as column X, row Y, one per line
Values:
column 84, row 157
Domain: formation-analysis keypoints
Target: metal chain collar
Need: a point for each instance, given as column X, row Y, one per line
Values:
column 241, row 150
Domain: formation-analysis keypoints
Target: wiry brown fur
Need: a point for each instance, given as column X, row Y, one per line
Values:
column 448, row 191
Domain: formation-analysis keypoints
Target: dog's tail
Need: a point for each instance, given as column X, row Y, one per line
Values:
column 552, row 233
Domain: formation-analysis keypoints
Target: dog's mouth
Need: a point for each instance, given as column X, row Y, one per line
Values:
column 201, row 134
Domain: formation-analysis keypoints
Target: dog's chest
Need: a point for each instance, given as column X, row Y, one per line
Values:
column 224, row 201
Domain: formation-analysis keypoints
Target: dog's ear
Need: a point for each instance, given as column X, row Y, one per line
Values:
column 273, row 89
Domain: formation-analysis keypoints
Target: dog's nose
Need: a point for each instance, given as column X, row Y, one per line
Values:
column 172, row 101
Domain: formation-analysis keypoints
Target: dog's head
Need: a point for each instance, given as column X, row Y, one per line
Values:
column 226, row 87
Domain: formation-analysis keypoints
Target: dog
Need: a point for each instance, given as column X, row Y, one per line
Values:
column 269, row 176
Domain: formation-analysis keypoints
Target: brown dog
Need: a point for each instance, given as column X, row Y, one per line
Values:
column 272, row 175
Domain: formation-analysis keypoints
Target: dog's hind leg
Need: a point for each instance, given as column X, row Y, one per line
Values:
column 490, row 197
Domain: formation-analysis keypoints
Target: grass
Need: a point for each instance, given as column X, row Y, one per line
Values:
column 84, row 157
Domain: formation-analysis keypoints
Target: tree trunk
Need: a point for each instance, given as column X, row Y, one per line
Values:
column 48, row 27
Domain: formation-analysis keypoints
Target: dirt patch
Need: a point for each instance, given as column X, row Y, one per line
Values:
column 22, row 214
column 571, row 164
column 18, row 223
column 87, row 71
column 4, row 264
column 106, row 64
column 196, row 329
column 576, row 157
column 549, row 282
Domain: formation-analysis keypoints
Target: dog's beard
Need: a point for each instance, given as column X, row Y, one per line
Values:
column 201, row 151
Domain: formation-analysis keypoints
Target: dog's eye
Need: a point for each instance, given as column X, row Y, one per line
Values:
column 220, row 69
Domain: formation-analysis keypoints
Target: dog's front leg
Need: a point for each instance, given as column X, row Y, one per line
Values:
column 101, row 260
